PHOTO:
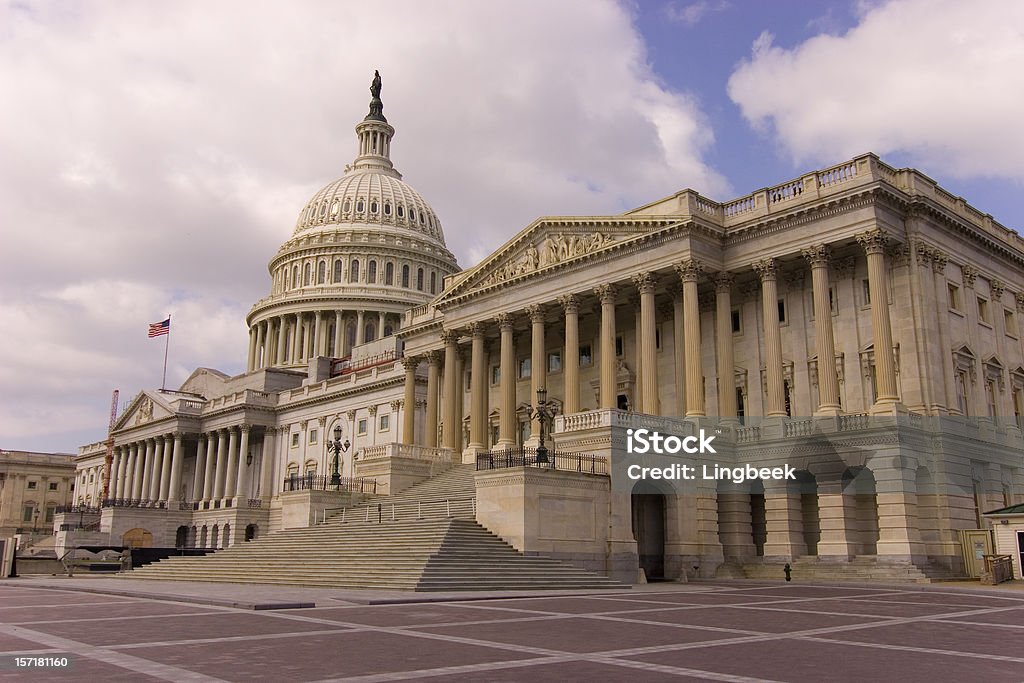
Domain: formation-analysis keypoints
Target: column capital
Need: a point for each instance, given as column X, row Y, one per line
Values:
column 939, row 261
column 504, row 320
column 970, row 274
column 397, row 404
column 689, row 270
column 476, row 329
column 645, row 282
column 536, row 313
column 766, row 269
column 997, row 287
column 449, row 336
column 606, row 293
column 723, row 282
column 410, row 362
column 570, row 303
column 873, row 241
column 372, row 410
column 433, row 358
column 817, row 255
column 245, row 427
column 350, row 414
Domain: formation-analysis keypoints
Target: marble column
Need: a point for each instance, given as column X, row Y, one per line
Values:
column 267, row 464
column 450, row 437
column 478, row 389
column 679, row 359
column 231, row 468
column 409, row 418
column 360, row 331
column 293, row 348
column 262, row 344
column 507, row 372
column 146, row 480
column 337, row 335
column 165, row 468
column 609, row 395
column 723, row 345
column 690, row 272
column 209, row 477
column 939, row 261
column 433, row 375
column 571, row 359
column 776, row 404
column 318, row 333
column 115, row 478
column 137, row 473
column 538, row 363
column 252, row 350
column 199, row 477
column 243, row 452
column 173, row 491
column 828, row 383
column 156, row 469
column 645, row 283
column 281, row 340
column 874, row 242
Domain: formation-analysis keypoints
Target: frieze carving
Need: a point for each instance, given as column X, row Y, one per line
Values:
column 551, row 250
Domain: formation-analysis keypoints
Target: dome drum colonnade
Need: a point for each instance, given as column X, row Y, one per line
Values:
column 689, row 354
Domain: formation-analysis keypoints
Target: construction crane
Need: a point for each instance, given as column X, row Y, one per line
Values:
column 108, row 460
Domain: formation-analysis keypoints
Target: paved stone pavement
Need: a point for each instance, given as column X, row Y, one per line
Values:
column 719, row 631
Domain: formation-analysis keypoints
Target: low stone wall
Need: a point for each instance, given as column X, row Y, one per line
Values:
column 304, row 508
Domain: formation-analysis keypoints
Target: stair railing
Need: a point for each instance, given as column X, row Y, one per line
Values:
column 424, row 509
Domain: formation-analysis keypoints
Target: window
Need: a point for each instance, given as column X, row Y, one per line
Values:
column 295, row 440
column 373, row 207
column 740, row 406
column 295, row 276
column 433, row 282
column 657, row 337
column 961, row 392
column 389, row 273
column 990, row 394
column 782, row 311
column 337, row 270
column 369, row 332
column 27, row 512
column 983, row 311
column 419, row 279
column 1009, row 322
column 787, row 395
column 586, row 355
column 405, row 276
column 361, row 426
column 353, row 272
column 387, row 209
column 371, row 272
column 618, row 346
column 306, row 273
column 495, row 374
column 554, row 361
column 32, row 485
column 384, row 423
column 321, row 272
column 52, row 486
column 954, row 296
column 359, row 206
column 865, row 286
column 401, row 211
column 312, row 436
column 1018, row 407
column 50, row 510
column 737, row 321
column 525, row 368
column 412, row 214
column 293, row 470
column 310, row 467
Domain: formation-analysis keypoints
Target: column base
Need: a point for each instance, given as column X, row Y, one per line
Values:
column 888, row 407
column 471, row 451
column 828, row 411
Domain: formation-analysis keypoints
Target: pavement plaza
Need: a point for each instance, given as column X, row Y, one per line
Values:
column 116, row 629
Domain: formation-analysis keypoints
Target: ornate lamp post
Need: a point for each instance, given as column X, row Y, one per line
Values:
column 337, row 447
column 544, row 412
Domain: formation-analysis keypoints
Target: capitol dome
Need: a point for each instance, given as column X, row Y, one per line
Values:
column 366, row 248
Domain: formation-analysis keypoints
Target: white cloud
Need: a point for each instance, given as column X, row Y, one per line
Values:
column 691, row 13
column 937, row 80
column 153, row 157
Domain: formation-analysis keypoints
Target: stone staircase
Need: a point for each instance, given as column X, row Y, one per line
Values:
column 421, row 549
column 863, row 568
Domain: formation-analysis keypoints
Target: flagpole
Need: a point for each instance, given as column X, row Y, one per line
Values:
column 167, row 344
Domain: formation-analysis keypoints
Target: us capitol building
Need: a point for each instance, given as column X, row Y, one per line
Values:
column 858, row 323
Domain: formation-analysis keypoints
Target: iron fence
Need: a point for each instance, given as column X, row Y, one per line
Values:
column 554, row 460
column 325, row 482
column 80, row 509
column 133, row 503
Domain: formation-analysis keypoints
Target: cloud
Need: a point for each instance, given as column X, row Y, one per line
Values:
column 691, row 13
column 154, row 157
column 937, row 80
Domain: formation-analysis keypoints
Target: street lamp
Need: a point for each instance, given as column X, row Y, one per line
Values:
column 337, row 447
column 35, row 521
column 544, row 412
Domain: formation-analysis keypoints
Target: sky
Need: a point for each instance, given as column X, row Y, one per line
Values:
column 154, row 156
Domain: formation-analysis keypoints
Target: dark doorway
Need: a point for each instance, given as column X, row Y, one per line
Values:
column 250, row 532
column 649, row 532
column 622, row 402
column 181, row 537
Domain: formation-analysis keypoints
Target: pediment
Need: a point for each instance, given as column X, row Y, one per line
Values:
column 144, row 408
column 548, row 244
column 206, row 382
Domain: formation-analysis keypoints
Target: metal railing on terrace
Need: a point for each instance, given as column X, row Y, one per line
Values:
column 553, row 460
column 323, row 482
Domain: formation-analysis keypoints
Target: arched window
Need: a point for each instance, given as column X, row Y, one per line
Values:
column 287, row 279
column 353, row 272
column 310, row 467
column 373, row 207
column 433, row 282
column 389, row 273
column 350, row 334
column 419, row 279
column 323, row 209
column 405, row 275
column 371, row 272
column 359, row 206
column 295, row 276
column 369, row 332
column 387, row 209
column 321, row 272
column 347, row 207
column 388, row 331
column 337, row 270
column 307, row 269
column 334, row 208
column 412, row 214
column 401, row 211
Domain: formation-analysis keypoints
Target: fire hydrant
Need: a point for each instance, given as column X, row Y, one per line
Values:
column 789, row 572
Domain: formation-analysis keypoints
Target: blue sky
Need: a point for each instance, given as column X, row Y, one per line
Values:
column 154, row 156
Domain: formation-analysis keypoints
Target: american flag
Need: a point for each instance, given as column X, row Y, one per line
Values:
column 159, row 329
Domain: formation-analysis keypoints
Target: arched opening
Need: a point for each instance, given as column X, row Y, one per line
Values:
column 353, row 271
column 419, row 279
column 337, row 270
column 250, row 532
column 203, row 537
column 807, row 486
column 371, row 272
column 405, row 276
column 648, row 508
column 181, row 537
column 225, row 536
column 369, row 332
column 137, row 538
column 321, row 272
column 192, row 536
column 350, row 334
column 215, row 536
column 306, row 270
column 389, row 273
column 861, row 501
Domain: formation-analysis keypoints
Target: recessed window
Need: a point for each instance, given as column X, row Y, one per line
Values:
column 359, row 206
column 371, row 272
column 321, row 272
column 295, row 440
column 782, row 311
column 554, row 361
column 525, row 368
column 405, row 276
column 373, row 207
column 495, row 374
column 27, row 512
column 387, row 209
column 384, row 423
column 401, row 211
column 412, row 214
column 1010, row 322
column 361, row 426
column 618, row 346
column 419, row 279
column 306, row 274
column 50, row 510
column 353, row 271
column 337, row 270
column 433, row 282
column 32, row 485
column 737, row 321
column 334, row 208
column 983, row 311
column 389, row 273
column 52, row 486
column 312, row 436
column 657, row 337
column 954, row 296
column 347, row 206
column 586, row 355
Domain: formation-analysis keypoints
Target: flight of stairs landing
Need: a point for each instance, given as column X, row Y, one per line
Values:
column 863, row 568
column 435, row 553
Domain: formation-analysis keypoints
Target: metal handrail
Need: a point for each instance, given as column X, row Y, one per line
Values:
column 395, row 508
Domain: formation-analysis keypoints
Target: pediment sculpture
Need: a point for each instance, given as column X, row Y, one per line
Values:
column 553, row 249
